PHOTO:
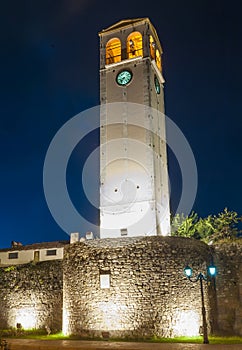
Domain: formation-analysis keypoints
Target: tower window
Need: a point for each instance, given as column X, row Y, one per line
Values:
column 152, row 48
column 134, row 45
column 113, row 51
column 124, row 232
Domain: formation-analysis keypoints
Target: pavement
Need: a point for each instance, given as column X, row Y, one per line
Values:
column 31, row 344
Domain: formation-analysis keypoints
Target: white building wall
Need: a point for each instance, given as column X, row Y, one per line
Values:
column 26, row 256
column 45, row 257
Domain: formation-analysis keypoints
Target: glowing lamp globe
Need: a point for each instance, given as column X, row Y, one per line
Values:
column 212, row 271
column 188, row 271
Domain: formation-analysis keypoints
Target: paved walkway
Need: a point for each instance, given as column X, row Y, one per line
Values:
column 30, row 344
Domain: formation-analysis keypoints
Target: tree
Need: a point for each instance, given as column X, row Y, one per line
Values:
column 204, row 229
column 226, row 225
column 211, row 229
column 184, row 226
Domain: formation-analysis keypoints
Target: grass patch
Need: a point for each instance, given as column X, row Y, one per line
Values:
column 225, row 340
column 199, row 340
column 57, row 336
column 41, row 335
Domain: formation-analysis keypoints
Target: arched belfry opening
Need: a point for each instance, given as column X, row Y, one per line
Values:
column 158, row 59
column 152, row 47
column 113, row 51
column 155, row 53
column 134, row 45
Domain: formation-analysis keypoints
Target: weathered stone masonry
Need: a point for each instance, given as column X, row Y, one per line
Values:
column 31, row 294
column 228, row 259
column 148, row 294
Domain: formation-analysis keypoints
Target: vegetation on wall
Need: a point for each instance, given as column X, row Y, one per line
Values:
column 224, row 226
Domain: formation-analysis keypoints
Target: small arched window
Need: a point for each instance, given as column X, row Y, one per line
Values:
column 152, row 48
column 113, row 51
column 134, row 45
column 158, row 59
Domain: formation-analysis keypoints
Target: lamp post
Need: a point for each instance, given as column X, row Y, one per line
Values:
column 200, row 277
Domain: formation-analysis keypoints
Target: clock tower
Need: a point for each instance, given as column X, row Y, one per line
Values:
column 134, row 192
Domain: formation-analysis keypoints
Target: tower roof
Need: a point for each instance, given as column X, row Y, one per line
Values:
column 124, row 23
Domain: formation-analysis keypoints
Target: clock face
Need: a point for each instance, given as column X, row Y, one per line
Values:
column 157, row 85
column 124, row 77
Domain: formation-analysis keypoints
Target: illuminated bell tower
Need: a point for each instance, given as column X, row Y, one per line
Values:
column 134, row 194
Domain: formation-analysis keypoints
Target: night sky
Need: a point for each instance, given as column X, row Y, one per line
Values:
column 50, row 73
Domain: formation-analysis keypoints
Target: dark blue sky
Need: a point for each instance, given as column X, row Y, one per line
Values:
column 50, row 72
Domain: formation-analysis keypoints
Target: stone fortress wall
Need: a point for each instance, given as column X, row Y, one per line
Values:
column 31, row 294
column 148, row 293
column 228, row 259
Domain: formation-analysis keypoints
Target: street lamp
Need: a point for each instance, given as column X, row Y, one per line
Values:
column 200, row 277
